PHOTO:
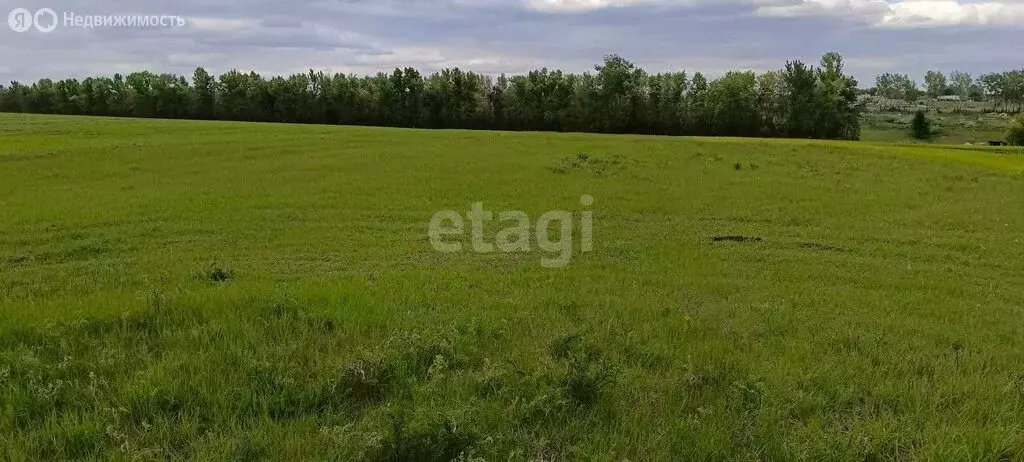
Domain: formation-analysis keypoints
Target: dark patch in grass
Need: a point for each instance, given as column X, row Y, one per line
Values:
column 16, row 260
column 73, row 253
column 740, row 239
column 587, row 370
column 570, row 310
column 76, row 441
column 289, row 311
column 821, row 247
column 595, row 164
column 215, row 274
column 158, row 402
column 426, row 438
column 250, row 450
column 366, row 381
column 563, row 347
column 84, row 252
column 705, row 156
column 390, row 373
column 738, row 166
column 642, row 355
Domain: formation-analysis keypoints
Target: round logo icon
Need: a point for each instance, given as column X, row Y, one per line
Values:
column 45, row 26
column 20, row 19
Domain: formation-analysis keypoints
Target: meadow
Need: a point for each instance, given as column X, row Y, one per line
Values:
column 951, row 127
column 214, row 290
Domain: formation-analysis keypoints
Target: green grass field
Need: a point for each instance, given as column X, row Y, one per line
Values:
column 176, row 289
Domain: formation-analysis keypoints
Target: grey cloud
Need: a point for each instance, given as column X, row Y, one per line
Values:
column 491, row 36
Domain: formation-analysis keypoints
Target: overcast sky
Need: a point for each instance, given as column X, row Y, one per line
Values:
column 513, row 36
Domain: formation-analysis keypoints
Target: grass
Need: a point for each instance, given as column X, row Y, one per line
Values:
column 952, row 127
column 174, row 289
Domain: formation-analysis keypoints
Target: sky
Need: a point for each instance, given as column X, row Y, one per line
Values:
column 510, row 36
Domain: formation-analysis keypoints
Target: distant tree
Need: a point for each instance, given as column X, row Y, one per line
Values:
column 1015, row 135
column 732, row 104
column 799, row 111
column 836, row 100
column 204, row 89
column 1014, row 91
column 770, row 94
column 995, row 86
column 896, row 86
column 936, row 83
column 921, row 127
column 698, row 118
column 621, row 88
column 618, row 97
column 961, row 83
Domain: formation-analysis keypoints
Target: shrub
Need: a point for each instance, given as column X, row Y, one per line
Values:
column 921, row 127
column 1016, row 134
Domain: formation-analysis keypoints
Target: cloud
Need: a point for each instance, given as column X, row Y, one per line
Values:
column 514, row 36
column 905, row 13
column 951, row 13
column 576, row 6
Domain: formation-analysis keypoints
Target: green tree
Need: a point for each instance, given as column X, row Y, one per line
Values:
column 732, row 105
column 896, row 87
column 921, row 127
column 204, row 89
column 698, row 118
column 799, row 108
column 1015, row 135
column 962, row 83
column 836, row 100
column 621, row 86
column 618, row 97
column 936, row 83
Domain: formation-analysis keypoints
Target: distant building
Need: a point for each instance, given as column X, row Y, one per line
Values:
column 949, row 98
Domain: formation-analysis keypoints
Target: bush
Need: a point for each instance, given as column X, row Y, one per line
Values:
column 1016, row 134
column 921, row 127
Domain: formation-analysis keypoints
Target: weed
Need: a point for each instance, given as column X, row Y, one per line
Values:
column 215, row 274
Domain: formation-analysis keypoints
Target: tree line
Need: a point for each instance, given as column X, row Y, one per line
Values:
column 1005, row 90
column 798, row 101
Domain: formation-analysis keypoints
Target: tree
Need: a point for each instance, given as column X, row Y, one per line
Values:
column 1015, row 135
column 921, row 127
column 836, row 100
column 799, row 111
column 620, row 93
column 204, row 87
column 617, row 97
column 962, row 84
column 995, row 87
column 936, row 84
column 896, row 86
column 770, row 102
column 1014, row 91
column 732, row 104
column 698, row 120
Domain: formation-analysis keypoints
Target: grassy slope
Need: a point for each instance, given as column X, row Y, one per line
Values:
column 881, row 316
